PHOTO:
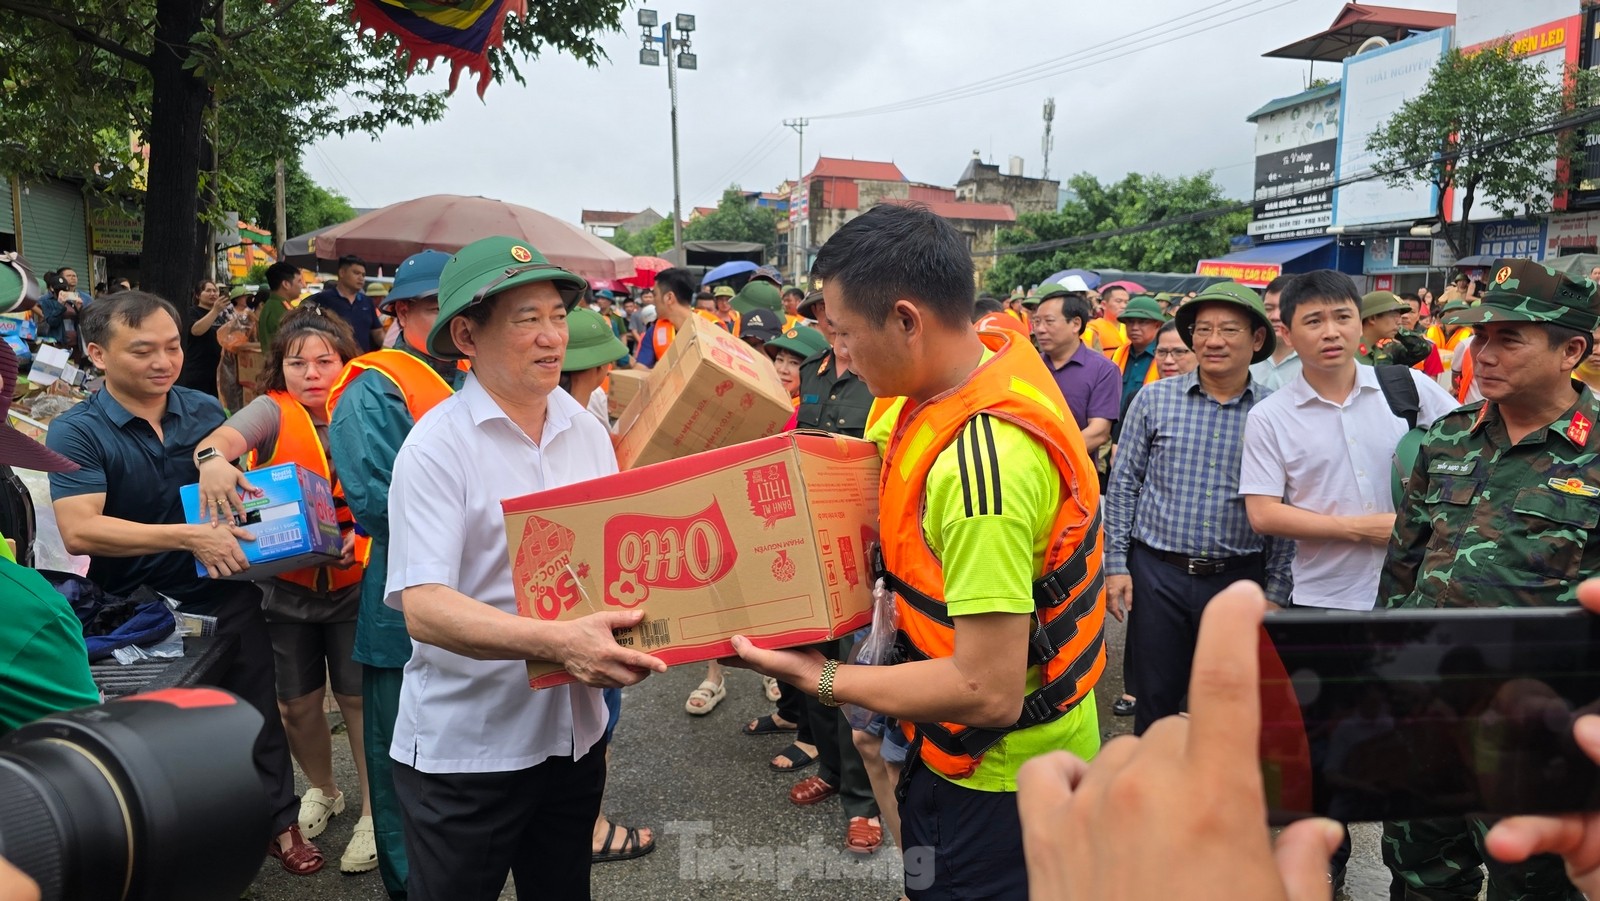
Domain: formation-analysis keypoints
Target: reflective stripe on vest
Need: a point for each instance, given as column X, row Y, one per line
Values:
column 298, row 443
column 421, row 387
column 1068, row 642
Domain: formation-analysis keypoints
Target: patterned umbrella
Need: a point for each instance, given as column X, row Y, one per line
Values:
column 462, row 31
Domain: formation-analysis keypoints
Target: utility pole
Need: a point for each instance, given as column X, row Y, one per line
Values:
column 796, row 252
column 678, row 56
column 1049, row 142
column 282, row 217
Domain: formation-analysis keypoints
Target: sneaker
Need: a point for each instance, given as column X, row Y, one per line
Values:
column 361, row 855
column 316, row 809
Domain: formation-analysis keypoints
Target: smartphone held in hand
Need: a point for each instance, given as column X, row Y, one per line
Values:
column 1411, row 714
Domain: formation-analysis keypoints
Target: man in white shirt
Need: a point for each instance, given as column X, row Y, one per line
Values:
column 1318, row 452
column 1279, row 369
column 492, row 776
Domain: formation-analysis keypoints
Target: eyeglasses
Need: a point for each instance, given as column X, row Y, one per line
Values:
column 1228, row 332
column 1174, row 352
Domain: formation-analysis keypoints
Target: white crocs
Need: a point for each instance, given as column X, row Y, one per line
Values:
column 361, row 855
column 316, row 809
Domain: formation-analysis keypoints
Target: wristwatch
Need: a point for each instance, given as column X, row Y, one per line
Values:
column 207, row 454
column 825, row 684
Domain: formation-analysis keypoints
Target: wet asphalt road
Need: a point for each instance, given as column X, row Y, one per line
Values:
column 726, row 829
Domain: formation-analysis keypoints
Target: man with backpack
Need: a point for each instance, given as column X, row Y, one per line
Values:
column 1319, row 451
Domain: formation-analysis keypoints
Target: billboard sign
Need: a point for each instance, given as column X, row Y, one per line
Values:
column 1376, row 84
column 1296, row 153
column 1511, row 238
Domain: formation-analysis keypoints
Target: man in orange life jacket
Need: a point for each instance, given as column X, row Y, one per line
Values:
column 673, row 297
column 1142, row 318
column 372, row 407
column 995, row 567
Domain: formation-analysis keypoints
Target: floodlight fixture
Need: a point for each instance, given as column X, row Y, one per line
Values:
column 649, row 57
column 688, row 61
column 684, row 23
column 648, row 18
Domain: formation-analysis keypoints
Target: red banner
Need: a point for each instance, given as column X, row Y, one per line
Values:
column 1256, row 275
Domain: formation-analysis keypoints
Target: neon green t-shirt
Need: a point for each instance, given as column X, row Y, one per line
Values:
column 990, row 502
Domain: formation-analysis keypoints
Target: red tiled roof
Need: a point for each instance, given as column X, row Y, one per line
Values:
column 984, row 212
column 1357, row 22
column 604, row 217
column 832, row 167
column 702, row 211
column 932, row 194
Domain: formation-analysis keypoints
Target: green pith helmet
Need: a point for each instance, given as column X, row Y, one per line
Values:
column 1230, row 293
column 590, row 341
column 485, row 268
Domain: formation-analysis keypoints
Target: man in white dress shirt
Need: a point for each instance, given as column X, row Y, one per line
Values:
column 492, row 776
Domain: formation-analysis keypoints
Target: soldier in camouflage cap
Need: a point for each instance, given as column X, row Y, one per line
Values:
column 1502, row 509
column 1383, row 340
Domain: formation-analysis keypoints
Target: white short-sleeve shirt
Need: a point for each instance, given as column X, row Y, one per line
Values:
column 459, row 715
column 1333, row 459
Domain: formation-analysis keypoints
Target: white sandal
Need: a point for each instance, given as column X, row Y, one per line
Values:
column 770, row 685
column 709, row 694
column 316, row 809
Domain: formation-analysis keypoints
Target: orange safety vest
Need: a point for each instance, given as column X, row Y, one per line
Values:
column 298, row 443
column 1120, row 357
column 1108, row 335
column 1068, row 640
column 1022, row 317
column 1465, row 390
column 419, row 384
column 738, row 322
column 662, row 333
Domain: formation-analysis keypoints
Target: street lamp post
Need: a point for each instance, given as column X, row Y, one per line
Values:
column 679, row 56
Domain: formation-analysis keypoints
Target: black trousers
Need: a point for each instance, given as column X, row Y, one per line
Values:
column 466, row 831
column 838, row 761
column 252, row 676
column 1162, row 631
column 960, row 843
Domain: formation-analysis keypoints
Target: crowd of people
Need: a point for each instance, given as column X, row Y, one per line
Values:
column 1048, row 457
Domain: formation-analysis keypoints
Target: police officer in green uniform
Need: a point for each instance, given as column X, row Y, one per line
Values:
column 831, row 397
column 1502, row 509
column 1383, row 341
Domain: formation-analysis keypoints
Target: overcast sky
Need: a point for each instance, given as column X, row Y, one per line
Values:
column 1154, row 86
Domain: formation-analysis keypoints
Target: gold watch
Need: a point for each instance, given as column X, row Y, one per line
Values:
column 825, row 684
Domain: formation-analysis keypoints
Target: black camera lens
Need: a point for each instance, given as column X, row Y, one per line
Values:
column 153, row 796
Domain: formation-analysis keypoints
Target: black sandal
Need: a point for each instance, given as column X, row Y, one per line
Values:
column 767, row 725
column 630, row 849
column 798, row 760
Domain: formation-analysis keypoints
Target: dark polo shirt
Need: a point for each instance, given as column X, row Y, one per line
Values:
column 832, row 402
column 361, row 315
column 1091, row 384
column 140, row 476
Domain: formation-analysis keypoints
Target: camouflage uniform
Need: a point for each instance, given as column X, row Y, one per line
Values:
column 1485, row 523
column 1405, row 349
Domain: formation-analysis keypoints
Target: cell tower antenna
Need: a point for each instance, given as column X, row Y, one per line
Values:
column 1049, row 141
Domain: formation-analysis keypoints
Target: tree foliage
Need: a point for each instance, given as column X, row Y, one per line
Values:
column 307, row 205
column 1095, row 207
column 217, row 90
column 1469, row 130
column 650, row 242
column 735, row 219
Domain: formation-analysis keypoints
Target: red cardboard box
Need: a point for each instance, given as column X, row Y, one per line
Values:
column 766, row 539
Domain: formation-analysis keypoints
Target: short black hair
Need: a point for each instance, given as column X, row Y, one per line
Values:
column 130, row 308
column 986, row 304
column 1277, row 285
column 1558, row 335
column 795, row 291
column 1171, row 327
column 1324, row 285
column 279, row 274
column 677, row 282
column 351, row 259
column 1073, row 306
column 1411, row 297
column 900, row 252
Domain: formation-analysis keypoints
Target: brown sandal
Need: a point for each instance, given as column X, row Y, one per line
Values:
column 811, row 790
column 302, row 859
column 863, row 836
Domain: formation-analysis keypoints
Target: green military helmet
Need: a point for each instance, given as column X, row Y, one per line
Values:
column 723, row 291
column 590, row 341
column 802, row 340
column 1526, row 291
column 1377, row 303
column 1143, row 306
column 485, row 268
column 1451, row 306
column 1229, row 293
column 758, row 294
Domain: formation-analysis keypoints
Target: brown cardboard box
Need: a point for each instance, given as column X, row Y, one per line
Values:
column 711, row 390
column 625, row 386
column 766, row 539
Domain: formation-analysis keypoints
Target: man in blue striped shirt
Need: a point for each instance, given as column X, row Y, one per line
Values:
column 1176, row 527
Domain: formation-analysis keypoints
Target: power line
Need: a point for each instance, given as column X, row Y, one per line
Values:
column 741, row 164
column 1577, row 121
column 1116, row 48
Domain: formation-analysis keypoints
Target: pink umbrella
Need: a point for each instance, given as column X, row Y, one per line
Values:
column 644, row 271
column 449, row 222
column 1133, row 287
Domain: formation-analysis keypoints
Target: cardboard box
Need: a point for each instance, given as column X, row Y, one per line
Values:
column 711, row 390
column 766, row 539
column 625, row 386
column 291, row 516
column 252, row 380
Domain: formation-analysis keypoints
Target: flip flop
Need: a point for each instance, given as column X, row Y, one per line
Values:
column 767, row 725
column 631, row 846
column 798, row 760
column 709, row 694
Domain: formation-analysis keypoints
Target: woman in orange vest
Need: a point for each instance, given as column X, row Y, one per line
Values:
column 311, row 612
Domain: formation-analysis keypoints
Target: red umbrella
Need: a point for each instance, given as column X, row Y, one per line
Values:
column 1133, row 287
column 449, row 222
column 615, row 286
column 644, row 271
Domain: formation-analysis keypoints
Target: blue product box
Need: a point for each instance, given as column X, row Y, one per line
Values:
column 292, row 516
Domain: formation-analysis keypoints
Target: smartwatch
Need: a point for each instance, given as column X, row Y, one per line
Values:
column 207, row 454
